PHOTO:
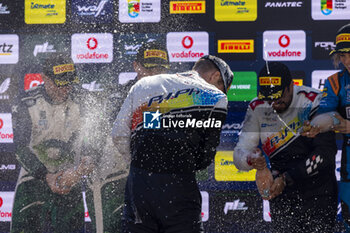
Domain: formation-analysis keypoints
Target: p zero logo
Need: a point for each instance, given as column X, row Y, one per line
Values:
column 32, row 80
column 235, row 46
column 6, row 131
column 330, row 9
column 92, row 48
column 187, row 46
column 284, row 41
column 45, row 11
column 187, row 7
column 92, row 43
column 187, row 42
column 9, row 49
column 326, row 6
column 284, row 45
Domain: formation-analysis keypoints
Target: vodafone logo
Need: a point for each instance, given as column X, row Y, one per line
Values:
column 284, row 45
column 187, row 42
column 284, row 41
column 92, row 43
column 6, row 200
column 187, row 46
column 6, row 131
column 92, row 47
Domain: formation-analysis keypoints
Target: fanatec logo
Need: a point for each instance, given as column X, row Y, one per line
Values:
column 44, row 48
column 283, row 4
column 235, row 205
column 92, row 9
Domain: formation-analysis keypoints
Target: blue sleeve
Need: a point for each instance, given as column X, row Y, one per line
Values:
column 330, row 99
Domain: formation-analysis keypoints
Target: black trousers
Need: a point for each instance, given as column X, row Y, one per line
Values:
column 310, row 209
column 165, row 203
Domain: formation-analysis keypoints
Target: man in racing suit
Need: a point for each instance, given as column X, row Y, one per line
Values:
column 106, row 186
column 48, row 196
column 304, row 193
column 336, row 94
column 169, row 127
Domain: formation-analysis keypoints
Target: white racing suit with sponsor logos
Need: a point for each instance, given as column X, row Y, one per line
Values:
column 309, row 201
column 48, row 140
column 168, row 127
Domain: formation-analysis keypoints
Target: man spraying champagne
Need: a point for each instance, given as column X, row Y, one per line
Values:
column 301, row 186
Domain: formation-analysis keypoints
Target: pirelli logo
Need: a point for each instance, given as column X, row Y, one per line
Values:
column 344, row 37
column 267, row 81
column 155, row 53
column 63, row 68
column 298, row 82
column 235, row 46
column 187, row 7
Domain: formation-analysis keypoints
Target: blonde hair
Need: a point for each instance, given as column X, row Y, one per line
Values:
column 336, row 60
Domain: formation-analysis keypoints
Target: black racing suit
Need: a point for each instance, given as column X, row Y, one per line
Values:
column 161, row 193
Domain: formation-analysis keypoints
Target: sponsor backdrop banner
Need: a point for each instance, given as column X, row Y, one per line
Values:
column 103, row 37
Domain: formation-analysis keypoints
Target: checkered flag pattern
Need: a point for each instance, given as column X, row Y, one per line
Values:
column 312, row 164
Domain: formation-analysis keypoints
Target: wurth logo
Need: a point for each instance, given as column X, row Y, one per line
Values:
column 44, row 48
column 236, row 205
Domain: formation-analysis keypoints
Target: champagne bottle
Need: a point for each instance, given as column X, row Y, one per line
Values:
column 263, row 179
